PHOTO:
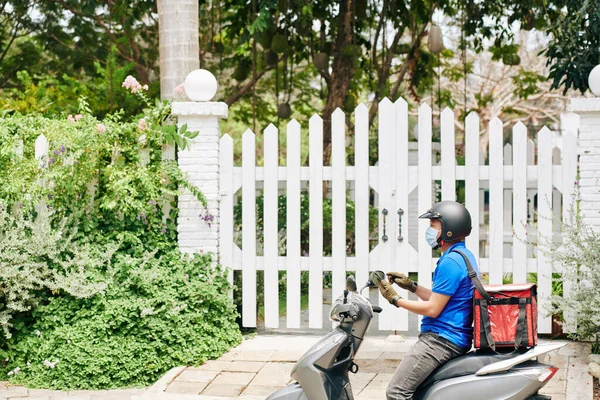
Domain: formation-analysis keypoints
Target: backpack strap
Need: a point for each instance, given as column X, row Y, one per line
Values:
column 474, row 278
column 485, row 318
column 521, row 335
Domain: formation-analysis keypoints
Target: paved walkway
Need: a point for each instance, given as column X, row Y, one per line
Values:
column 262, row 364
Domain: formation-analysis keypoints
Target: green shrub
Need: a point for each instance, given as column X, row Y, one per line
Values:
column 156, row 308
column 156, row 313
column 36, row 259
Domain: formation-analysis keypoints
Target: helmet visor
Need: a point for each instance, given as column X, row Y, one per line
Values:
column 431, row 214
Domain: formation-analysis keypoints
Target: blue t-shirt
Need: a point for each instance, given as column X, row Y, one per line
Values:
column 451, row 278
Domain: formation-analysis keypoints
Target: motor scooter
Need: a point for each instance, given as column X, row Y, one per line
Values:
column 322, row 373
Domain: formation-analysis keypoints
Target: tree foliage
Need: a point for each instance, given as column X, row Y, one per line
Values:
column 315, row 56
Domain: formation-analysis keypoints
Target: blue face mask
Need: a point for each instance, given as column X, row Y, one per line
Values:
column 431, row 236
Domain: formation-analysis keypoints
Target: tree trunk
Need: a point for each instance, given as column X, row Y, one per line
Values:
column 179, row 49
column 342, row 72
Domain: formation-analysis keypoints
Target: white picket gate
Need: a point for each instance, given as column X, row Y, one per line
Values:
column 510, row 185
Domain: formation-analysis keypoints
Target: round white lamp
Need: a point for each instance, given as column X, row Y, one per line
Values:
column 200, row 85
column 594, row 80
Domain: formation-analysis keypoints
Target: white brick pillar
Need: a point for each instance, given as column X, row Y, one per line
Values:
column 201, row 164
column 589, row 159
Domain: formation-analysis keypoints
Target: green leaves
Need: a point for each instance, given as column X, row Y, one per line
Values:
column 157, row 312
column 178, row 136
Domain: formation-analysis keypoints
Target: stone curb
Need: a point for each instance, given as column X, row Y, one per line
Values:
column 177, row 396
column 161, row 385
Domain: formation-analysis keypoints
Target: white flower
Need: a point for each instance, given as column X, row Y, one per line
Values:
column 50, row 364
column 28, row 364
column 68, row 341
column 142, row 140
column 147, row 311
column 38, row 333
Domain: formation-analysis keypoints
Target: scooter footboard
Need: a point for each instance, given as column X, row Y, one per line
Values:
column 293, row 391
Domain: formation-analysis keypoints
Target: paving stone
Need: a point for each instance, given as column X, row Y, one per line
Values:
column 284, row 355
column 233, row 378
column 13, row 391
column 385, row 366
column 196, row 375
column 245, row 366
column 368, row 355
column 223, row 390
column 579, row 384
column 575, row 349
column 247, row 355
column 383, row 377
column 117, row 394
column 368, row 394
column 82, row 393
column 377, row 385
column 41, row 392
column 366, row 376
column 214, row 365
column 556, row 396
column 274, row 374
column 358, row 385
column 557, row 360
column 578, row 362
column 186, row 387
column 555, row 386
column 260, row 390
column 392, row 355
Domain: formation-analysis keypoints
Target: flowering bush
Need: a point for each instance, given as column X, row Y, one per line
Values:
column 116, row 304
column 36, row 258
column 575, row 250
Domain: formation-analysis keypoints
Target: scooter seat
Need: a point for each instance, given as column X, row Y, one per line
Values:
column 465, row 365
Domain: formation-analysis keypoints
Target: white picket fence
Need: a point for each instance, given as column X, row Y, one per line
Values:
column 509, row 179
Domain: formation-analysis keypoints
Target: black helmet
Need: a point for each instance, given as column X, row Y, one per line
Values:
column 455, row 218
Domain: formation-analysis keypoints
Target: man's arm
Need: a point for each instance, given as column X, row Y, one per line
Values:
column 423, row 293
column 429, row 308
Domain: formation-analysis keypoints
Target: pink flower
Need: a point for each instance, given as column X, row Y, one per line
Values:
column 180, row 89
column 78, row 117
column 142, row 125
column 70, row 118
column 133, row 85
column 101, row 128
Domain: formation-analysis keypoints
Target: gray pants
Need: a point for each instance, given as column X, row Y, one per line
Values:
column 422, row 359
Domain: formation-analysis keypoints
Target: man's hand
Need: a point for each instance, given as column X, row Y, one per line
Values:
column 402, row 280
column 388, row 292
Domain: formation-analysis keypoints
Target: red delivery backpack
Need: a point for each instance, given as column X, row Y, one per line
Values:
column 504, row 316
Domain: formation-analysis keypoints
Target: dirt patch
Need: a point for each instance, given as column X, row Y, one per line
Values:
column 596, row 389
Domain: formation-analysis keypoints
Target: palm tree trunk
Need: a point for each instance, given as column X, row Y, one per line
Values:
column 179, row 50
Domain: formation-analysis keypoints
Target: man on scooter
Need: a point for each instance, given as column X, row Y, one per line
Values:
column 446, row 329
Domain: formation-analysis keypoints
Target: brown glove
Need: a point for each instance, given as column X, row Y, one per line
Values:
column 388, row 292
column 402, row 280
